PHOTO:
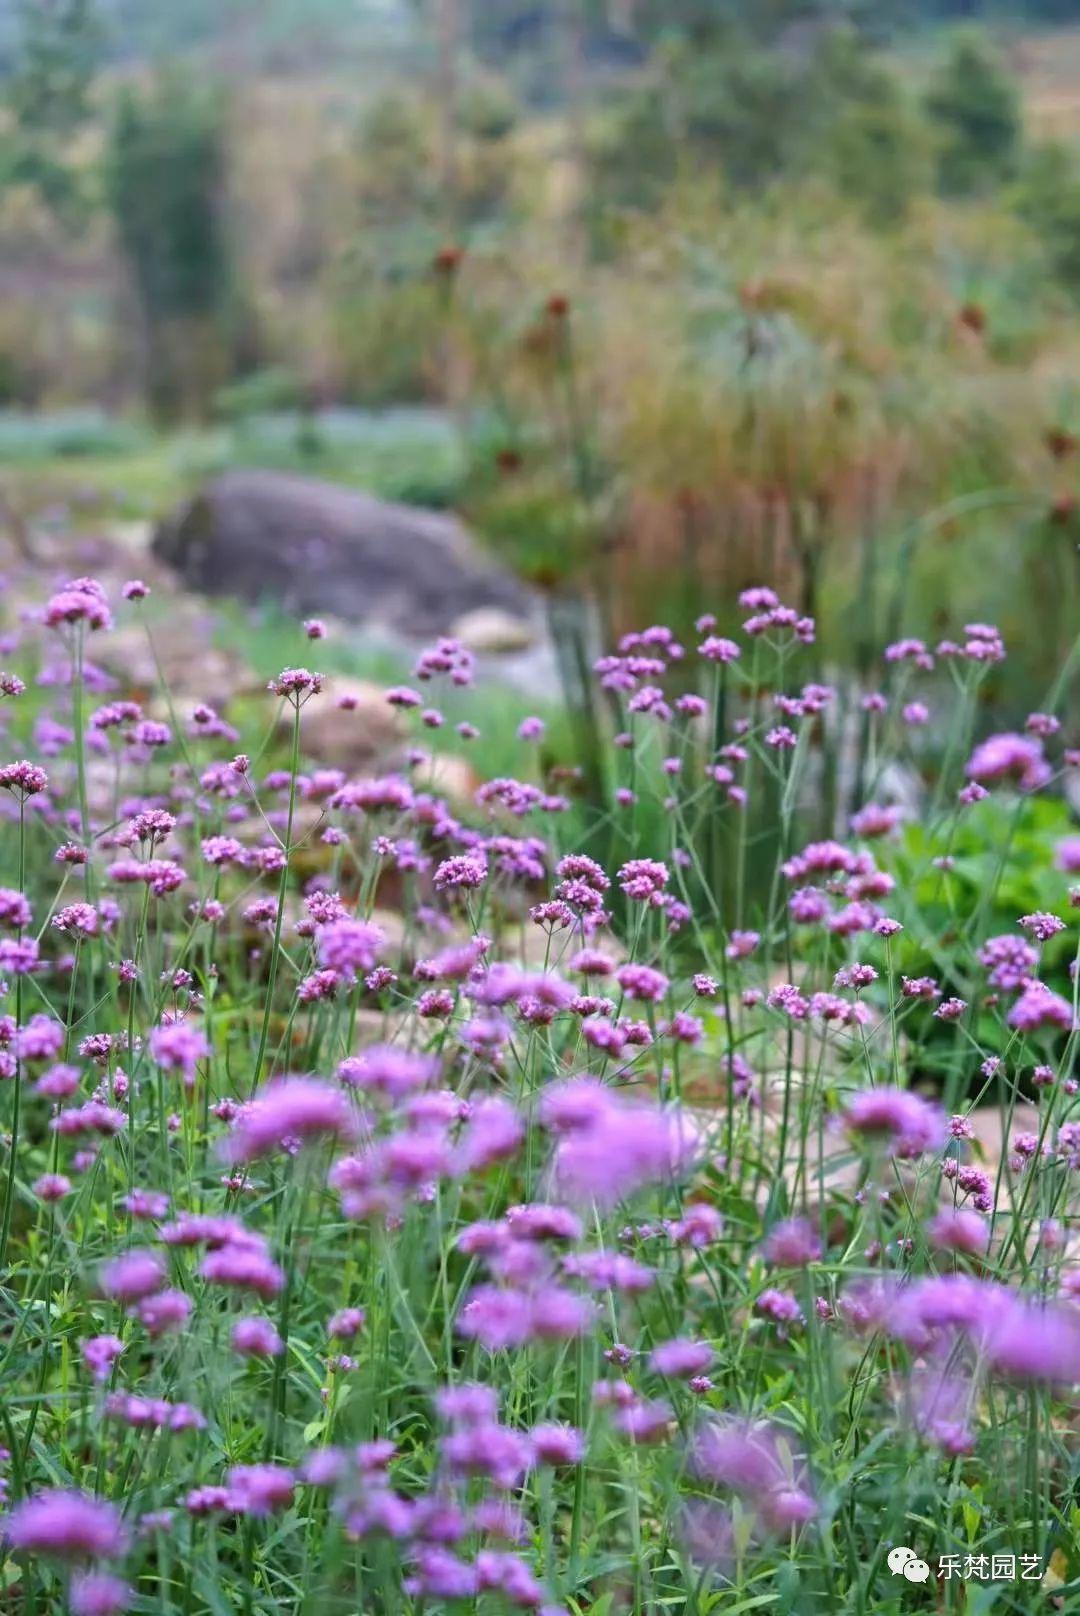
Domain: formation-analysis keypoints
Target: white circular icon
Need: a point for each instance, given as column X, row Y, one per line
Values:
column 904, row 1561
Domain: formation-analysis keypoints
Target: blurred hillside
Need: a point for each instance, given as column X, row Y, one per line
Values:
column 695, row 291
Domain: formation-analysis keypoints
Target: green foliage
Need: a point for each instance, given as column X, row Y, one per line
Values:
column 974, row 108
column 397, row 179
column 47, row 99
column 1048, row 197
column 1002, row 862
column 746, row 108
column 703, row 21
column 166, row 172
column 274, row 388
column 165, row 177
column 386, row 332
column 872, row 144
column 411, row 455
column 488, row 110
column 757, row 115
column 65, row 434
column 876, row 156
column 632, row 157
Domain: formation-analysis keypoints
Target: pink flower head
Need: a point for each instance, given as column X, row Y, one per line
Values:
column 956, row 1229
column 873, row 821
column 165, row 1313
column 77, row 920
column 1041, row 926
column 645, row 880
column 1009, row 960
column 1016, row 758
column 14, row 908
column 1038, row 1008
column 100, row 1352
column 714, row 648
column 1026, row 1341
column 136, row 1274
column 41, row 1039
column 243, row 1268
column 906, row 1122
column 792, row 1243
column 610, row 1147
column 779, row 1306
column 68, row 1524
column 290, row 1109
column 297, row 684
column 80, row 601
column 177, row 1046
column 99, row 1593
column 461, row 872
column 256, row 1338
column 758, row 1463
column 260, row 1489
column 348, row 946
column 23, row 779
column 51, row 1187
column 384, row 1069
column 557, row 1444
column 679, row 1359
column 641, row 982
column 345, row 1324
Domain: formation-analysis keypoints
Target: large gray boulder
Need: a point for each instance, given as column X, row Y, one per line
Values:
column 318, row 549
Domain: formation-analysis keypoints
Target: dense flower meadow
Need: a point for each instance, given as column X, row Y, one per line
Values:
column 492, row 1205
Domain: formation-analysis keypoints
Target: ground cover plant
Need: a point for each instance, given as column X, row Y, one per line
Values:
column 505, row 1203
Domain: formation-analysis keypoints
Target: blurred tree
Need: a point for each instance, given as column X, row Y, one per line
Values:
column 396, row 182
column 974, row 107
column 873, row 145
column 165, row 176
column 757, row 114
column 746, row 107
column 1048, row 197
column 47, row 99
column 382, row 316
column 487, row 110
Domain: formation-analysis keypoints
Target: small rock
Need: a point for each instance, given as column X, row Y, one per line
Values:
column 193, row 668
column 353, row 737
column 450, row 776
column 487, row 629
column 132, row 536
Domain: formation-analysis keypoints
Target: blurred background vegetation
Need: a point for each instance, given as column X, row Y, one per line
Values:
column 667, row 297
